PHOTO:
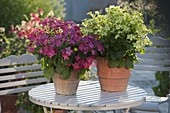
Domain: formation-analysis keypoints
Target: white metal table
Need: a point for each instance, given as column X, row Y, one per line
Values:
column 88, row 97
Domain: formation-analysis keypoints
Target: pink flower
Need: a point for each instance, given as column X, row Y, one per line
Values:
column 66, row 53
column 76, row 66
column 61, row 42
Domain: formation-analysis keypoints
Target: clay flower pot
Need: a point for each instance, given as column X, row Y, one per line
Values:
column 112, row 79
column 66, row 87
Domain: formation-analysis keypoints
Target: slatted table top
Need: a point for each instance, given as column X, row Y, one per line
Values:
column 88, row 97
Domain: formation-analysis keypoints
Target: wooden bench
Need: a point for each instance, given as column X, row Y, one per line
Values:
column 156, row 58
column 19, row 74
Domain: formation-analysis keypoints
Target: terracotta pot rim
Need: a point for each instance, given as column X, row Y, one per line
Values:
column 115, row 77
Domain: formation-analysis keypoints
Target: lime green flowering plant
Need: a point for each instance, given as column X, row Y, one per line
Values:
column 122, row 33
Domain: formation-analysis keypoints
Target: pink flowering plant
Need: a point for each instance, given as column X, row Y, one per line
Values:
column 62, row 47
column 27, row 27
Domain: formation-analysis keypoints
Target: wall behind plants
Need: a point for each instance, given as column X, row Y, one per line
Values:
column 77, row 9
column 13, row 11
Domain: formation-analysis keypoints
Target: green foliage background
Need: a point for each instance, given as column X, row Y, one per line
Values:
column 163, row 89
column 11, row 45
column 13, row 11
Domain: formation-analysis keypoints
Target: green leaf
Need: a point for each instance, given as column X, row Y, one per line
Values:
column 49, row 71
column 75, row 49
column 122, row 63
column 142, row 51
column 63, row 71
column 120, row 54
column 81, row 73
column 113, row 63
column 42, row 63
column 113, row 55
column 54, row 61
column 129, row 64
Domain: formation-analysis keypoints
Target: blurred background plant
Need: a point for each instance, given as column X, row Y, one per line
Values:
column 11, row 45
column 25, row 105
column 163, row 88
column 22, row 16
column 156, row 10
column 13, row 12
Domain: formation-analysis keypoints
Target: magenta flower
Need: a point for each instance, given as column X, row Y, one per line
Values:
column 66, row 53
column 62, row 43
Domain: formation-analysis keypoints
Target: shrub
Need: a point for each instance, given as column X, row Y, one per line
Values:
column 11, row 45
column 13, row 11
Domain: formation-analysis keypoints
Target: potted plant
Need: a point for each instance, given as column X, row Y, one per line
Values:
column 122, row 33
column 64, row 52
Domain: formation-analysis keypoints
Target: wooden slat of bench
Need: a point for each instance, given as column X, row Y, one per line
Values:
column 157, row 58
column 22, row 75
column 158, row 41
column 151, row 68
column 23, row 82
column 16, row 90
column 23, row 68
column 154, row 49
column 153, row 62
column 154, row 56
column 13, row 59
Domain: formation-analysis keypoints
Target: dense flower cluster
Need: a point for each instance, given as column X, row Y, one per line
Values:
column 63, row 42
column 27, row 27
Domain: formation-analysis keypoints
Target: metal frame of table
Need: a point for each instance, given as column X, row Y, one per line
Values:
column 88, row 97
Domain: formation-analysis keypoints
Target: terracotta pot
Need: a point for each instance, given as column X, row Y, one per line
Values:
column 112, row 79
column 66, row 87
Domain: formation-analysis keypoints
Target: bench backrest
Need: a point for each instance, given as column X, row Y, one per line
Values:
column 20, row 74
column 156, row 58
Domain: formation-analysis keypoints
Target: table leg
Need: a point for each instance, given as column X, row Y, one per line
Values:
column 79, row 111
column 51, row 110
column 45, row 109
column 127, row 110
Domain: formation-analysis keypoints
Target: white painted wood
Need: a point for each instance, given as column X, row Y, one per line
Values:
column 158, row 41
column 22, row 82
column 153, row 62
column 157, row 58
column 160, row 50
column 13, row 59
column 45, row 109
column 15, row 78
column 21, row 68
column 153, row 56
column 21, row 75
column 88, row 97
column 16, row 90
column 151, row 68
